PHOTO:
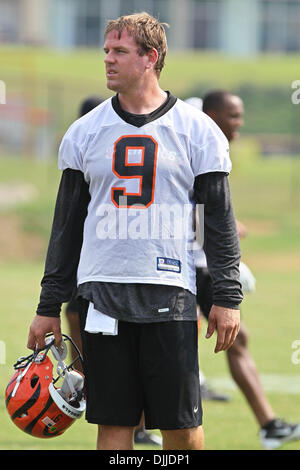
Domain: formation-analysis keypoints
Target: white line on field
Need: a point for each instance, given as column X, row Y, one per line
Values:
column 287, row 384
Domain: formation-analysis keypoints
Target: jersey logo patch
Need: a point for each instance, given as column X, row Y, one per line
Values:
column 168, row 264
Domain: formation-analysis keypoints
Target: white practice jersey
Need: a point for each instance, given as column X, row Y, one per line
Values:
column 200, row 257
column 139, row 226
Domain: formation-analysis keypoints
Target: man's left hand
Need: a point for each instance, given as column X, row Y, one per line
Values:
column 227, row 323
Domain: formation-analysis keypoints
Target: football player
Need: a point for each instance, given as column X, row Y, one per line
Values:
column 132, row 170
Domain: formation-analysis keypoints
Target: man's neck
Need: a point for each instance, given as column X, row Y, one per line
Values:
column 144, row 102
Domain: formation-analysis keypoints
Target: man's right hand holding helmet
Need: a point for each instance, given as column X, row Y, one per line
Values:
column 39, row 327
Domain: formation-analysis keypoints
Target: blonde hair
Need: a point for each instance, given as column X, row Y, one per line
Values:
column 147, row 32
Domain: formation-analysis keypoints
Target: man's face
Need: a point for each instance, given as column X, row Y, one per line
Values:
column 125, row 68
column 230, row 117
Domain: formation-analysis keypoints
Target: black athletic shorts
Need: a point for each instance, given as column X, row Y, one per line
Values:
column 204, row 291
column 150, row 367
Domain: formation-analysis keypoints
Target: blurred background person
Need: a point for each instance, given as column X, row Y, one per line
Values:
column 227, row 110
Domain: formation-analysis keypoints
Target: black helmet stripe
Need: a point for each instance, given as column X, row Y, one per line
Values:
column 31, row 425
column 28, row 404
column 8, row 398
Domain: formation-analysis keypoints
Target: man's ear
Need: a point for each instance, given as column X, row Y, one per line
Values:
column 153, row 58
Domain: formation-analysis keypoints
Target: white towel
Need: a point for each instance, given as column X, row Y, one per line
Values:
column 98, row 322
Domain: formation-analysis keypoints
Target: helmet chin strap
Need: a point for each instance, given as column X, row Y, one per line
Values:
column 62, row 370
column 77, row 381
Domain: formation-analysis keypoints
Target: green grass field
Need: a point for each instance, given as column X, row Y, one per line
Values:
column 266, row 194
column 266, row 197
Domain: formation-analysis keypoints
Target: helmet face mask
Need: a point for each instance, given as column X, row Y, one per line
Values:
column 34, row 401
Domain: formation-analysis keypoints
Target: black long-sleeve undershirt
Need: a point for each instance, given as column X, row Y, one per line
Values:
column 221, row 241
column 65, row 243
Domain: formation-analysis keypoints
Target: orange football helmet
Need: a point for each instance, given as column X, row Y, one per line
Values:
column 34, row 403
